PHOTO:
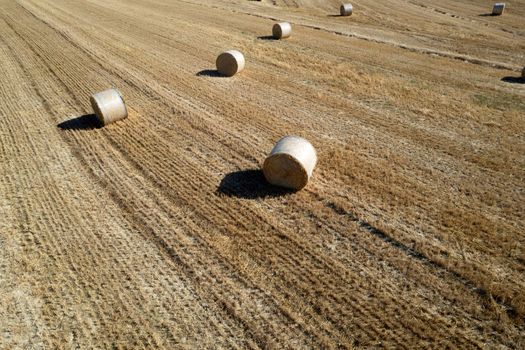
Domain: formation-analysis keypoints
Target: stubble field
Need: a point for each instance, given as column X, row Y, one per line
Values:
column 159, row 231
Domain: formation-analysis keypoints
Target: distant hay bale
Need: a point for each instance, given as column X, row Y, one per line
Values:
column 290, row 163
column 346, row 9
column 230, row 63
column 282, row 30
column 109, row 106
column 498, row 8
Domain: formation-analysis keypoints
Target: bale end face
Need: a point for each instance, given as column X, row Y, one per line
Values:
column 498, row 9
column 96, row 109
column 281, row 30
column 290, row 163
column 230, row 63
column 109, row 106
column 346, row 10
column 284, row 170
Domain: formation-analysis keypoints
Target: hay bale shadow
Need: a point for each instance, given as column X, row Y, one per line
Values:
column 249, row 184
column 266, row 37
column 513, row 80
column 335, row 15
column 84, row 122
column 487, row 15
column 213, row 73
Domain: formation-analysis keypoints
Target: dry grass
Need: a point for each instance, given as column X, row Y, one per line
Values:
column 160, row 232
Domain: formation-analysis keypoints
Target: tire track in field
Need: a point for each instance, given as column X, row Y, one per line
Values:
column 20, row 310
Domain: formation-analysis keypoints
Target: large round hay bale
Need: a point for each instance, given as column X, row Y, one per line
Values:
column 230, row 63
column 281, row 30
column 290, row 163
column 498, row 8
column 109, row 106
column 346, row 9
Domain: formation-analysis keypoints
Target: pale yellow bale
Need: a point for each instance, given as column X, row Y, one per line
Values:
column 230, row 63
column 290, row 163
column 346, row 9
column 109, row 106
column 282, row 30
column 498, row 8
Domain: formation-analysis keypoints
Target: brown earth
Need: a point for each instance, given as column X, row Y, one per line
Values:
column 160, row 232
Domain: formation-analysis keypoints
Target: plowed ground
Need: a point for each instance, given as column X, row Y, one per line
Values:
column 160, row 232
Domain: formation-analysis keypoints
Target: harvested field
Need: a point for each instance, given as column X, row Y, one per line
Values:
column 159, row 231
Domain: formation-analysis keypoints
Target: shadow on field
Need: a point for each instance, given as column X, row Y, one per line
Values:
column 249, row 184
column 486, row 15
column 266, row 37
column 84, row 122
column 334, row 16
column 428, row 260
column 513, row 80
column 210, row 73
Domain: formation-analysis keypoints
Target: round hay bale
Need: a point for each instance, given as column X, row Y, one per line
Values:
column 290, row 163
column 498, row 8
column 282, row 30
column 230, row 63
column 346, row 9
column 109, row 106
